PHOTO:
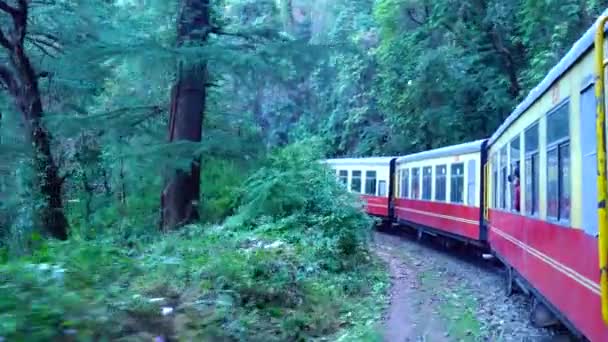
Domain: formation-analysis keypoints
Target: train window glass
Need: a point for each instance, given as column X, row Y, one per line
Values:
column 564, row 186
column 471, row 182
column 532, row 175
column 457, row 183
column 557, row 124
column 382, row 188
column 355, row 181
column 552, row 184
column 397, row 185
column 415, row 183
column 440, row 182
column 558, row 164
column 427, row 183
column 370, row 182
column 514, row 174
column 494, row 182
column 503, row 178
column 558, row 182
column 531, row 138
column 343, row 176
column 405, row 183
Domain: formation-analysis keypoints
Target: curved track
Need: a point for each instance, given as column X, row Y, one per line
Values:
column 451, row 294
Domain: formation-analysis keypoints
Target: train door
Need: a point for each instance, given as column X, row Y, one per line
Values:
column 589, row 152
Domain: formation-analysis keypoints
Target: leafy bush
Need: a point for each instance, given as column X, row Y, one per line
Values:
column 298, row 193
column 297, row 267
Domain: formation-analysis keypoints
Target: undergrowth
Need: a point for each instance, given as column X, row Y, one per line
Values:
column 291, row 264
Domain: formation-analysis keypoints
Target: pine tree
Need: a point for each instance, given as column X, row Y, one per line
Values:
column 21, row 80
column 181, row 195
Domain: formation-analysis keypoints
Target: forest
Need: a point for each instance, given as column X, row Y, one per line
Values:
column 159, row 172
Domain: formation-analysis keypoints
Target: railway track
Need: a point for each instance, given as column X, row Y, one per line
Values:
column 450, row 293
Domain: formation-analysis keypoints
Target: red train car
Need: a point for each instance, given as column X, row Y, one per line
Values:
column 543, row 191
column 369, row 177
column 440, row 191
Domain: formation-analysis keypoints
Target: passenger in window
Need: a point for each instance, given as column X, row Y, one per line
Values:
column 514, row 178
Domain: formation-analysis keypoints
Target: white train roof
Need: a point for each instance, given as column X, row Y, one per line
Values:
column 578, row 49
column 360, row 161
column 469, row 147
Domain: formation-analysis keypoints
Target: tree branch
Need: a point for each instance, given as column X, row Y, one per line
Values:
column 20, row 22
column 4, row 41
column 8, row 9
column 43, row 46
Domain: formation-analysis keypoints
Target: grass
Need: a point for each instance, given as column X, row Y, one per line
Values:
column 456, row 307
column 218, row 285
column 458, row 310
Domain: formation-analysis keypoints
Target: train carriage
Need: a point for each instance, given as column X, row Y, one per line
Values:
column 534, row 192
column 440, row 191
column 542, row 190
column 369, row 177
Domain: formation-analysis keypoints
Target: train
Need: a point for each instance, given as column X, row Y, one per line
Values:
column 533, row 194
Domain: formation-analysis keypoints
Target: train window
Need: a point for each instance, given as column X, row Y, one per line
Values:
column 557, row 124
column 494, row 182
column 440, row 182
column 564, row 185
column 355, row 181
column 405, row 183
column 427, row 183
column 415, row 183
column 397, row 185
column 382, row 188
column 558, row 164
column 552, row 184
column 514, row 174
column 343, row 176
column 370, row 182
column 471, row 182
column 503, row 178
column 457, row 183
column 532, row 175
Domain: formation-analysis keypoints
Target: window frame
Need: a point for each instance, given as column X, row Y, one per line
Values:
column 385, row 192
column 503, row 170
column 404, row 191
column 494, row 171
column 461, row 176
column 511, row 206
column 340, row 176
column 375, row 184
column 556, row 145
column 427, row 183
column 360, row 177
column 436, row 177
column 529, row 156
column 418, row 185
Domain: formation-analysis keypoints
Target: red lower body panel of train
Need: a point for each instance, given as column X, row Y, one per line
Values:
column 457, row 220
column 559, row 262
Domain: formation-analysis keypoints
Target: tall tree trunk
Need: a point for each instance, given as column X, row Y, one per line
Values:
column 180, row 197
column 21, row 80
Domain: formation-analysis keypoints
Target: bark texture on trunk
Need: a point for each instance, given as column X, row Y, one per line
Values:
column 21, row 81
column 180, row 197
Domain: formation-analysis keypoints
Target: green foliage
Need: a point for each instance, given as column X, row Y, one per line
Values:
column 294, row 191
column 296, row 267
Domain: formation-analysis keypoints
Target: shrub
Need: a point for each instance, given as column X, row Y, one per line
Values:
column 296, row 267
